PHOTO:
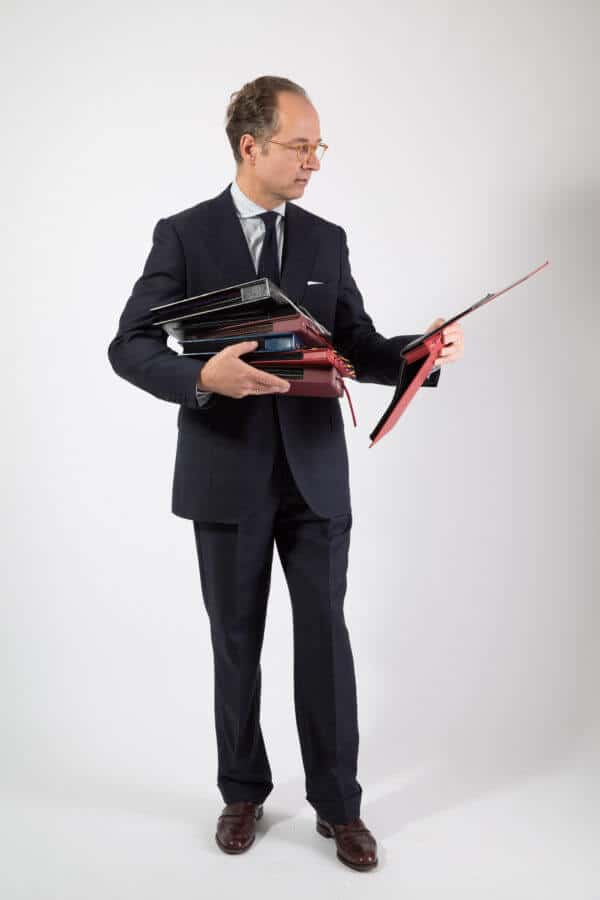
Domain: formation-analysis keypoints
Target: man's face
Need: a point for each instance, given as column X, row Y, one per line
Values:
column 278, row 172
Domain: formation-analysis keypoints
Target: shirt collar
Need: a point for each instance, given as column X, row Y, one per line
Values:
column 247, row 207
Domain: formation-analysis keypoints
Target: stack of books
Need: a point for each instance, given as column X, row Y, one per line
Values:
column 291, row 343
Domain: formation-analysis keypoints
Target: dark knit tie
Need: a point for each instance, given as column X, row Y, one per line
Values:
column 268, row 264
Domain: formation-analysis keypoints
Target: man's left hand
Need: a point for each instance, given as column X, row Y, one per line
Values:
column 453, row 340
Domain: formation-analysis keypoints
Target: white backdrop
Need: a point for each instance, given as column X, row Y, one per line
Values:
column 464, row 148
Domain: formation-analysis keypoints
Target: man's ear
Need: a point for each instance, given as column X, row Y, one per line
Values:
column 252, row 153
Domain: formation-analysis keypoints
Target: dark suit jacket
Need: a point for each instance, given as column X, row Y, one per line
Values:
column 225, row 449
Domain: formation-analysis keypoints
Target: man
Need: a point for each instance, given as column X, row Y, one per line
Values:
column 255, row 468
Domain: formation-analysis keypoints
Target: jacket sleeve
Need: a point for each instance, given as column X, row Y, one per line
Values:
column 375, row 358
column 139, row 351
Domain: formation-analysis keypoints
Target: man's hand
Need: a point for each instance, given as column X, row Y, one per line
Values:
column 453, row 342
column 225, row 373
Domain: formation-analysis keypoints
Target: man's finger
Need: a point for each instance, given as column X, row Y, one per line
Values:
column 258, row 387
column 242, row 347
column 452, row 329
column 265, row 379
column 276, row 384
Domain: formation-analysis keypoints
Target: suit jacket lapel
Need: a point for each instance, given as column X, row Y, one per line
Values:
column 226, row 242
column 299, row 250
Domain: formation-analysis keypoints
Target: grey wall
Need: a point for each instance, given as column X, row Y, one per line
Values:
column 464, row 148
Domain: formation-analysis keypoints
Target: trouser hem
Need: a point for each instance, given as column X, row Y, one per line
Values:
column 251, row 793
column 338, row 812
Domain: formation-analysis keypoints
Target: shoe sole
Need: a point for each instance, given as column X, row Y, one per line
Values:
column 357, row 867
column 233, row 850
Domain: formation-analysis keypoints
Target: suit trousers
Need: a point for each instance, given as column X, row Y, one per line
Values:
column 235, row 561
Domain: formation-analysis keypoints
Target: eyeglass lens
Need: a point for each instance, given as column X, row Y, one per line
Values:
column 305, row 149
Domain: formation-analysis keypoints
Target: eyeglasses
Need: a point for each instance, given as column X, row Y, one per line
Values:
column 304, row 150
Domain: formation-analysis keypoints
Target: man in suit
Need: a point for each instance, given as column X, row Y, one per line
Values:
column 255, row 469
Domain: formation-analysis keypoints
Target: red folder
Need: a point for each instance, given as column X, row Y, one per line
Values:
column 315, row 372
column 418, row 361
column 309, row 356
column 191, row 328
column 309, row 381
column 267, row 325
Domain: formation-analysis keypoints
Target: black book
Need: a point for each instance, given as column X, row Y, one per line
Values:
column 235, row 303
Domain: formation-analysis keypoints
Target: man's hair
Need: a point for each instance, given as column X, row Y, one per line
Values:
column 253, row 110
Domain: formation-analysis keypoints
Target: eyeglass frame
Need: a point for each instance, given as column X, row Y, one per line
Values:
column 297, row 148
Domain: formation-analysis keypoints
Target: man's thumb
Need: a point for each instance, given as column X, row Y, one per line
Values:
column 434, row 324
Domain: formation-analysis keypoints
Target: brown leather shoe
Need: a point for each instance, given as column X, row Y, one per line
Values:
column 356, row 846
column 236, row 826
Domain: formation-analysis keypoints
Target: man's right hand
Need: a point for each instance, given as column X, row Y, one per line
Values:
column 225, row 373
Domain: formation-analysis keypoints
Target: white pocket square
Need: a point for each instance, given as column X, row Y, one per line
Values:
column 315, row 282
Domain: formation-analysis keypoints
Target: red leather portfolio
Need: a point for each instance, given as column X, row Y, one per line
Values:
column 418, row 359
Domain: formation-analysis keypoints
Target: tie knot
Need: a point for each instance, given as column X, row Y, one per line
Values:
column 269, row 218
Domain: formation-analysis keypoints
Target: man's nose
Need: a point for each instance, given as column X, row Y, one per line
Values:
column 311, row 163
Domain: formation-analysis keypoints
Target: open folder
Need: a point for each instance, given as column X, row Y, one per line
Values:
column 418, row 358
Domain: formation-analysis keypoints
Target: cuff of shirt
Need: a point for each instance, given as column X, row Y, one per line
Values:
column 202, row 397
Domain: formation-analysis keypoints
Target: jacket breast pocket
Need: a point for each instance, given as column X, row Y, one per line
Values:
column 323, row 286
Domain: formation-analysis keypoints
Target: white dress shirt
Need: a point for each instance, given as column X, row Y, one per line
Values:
column 254, row 231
